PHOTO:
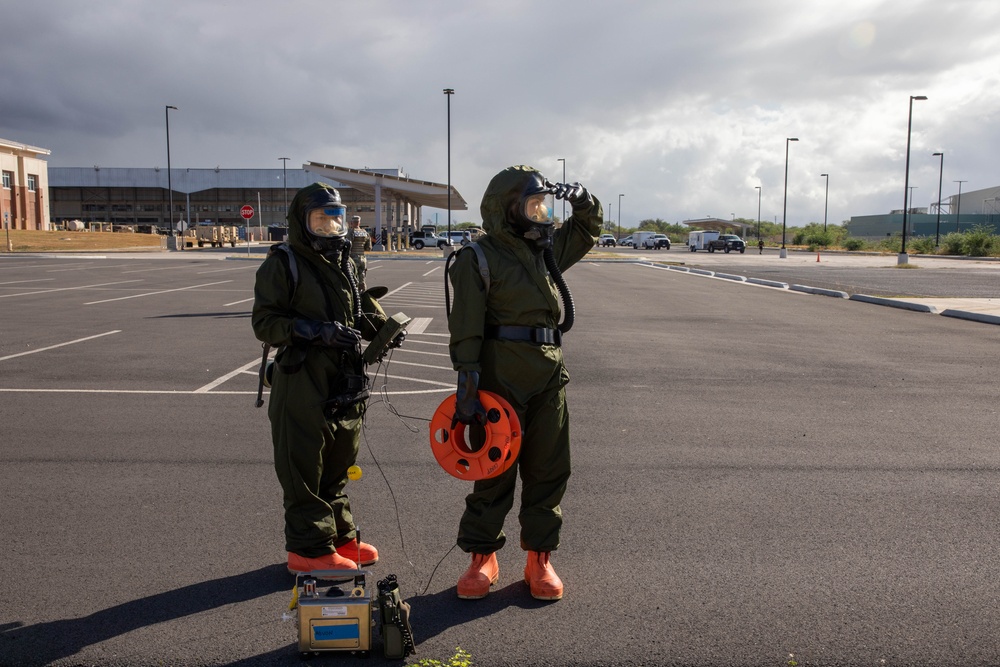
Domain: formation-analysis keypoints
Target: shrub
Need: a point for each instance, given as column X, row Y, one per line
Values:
column 855, row 244
column 923, row 245
column 951, row 244
column 979, row 242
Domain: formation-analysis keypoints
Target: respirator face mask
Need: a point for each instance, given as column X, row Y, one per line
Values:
column 534, row 217
column 326, row 228
column 327, row 222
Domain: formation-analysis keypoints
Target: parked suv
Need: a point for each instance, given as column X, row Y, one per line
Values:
column 607, row 240
column 421, row 239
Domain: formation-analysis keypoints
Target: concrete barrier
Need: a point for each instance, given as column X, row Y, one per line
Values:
column 895, row 303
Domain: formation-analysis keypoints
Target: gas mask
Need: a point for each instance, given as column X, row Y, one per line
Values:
column 531, row 216
column 326, row 229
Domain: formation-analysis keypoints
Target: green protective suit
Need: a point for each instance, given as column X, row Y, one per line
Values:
column 311, row 452
column 531, row 376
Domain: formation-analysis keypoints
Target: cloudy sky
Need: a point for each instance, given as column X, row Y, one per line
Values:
column 683, row 106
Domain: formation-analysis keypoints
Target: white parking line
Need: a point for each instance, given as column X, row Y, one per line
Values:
column 36, row 280
column 52, row 347
column 233, row 303
column 418, row 325
column 436, row 268
column 136, row 296
column 410, row 363
column 436, row 354
column 66, row 289
column 396, row 290
column 228, row 376
column 238, row 268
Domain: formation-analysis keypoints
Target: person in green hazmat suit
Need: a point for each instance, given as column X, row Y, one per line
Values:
column 307, row 303
column 506, row 338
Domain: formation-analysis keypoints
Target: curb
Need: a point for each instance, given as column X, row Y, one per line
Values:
column 819, row 290
column 767, row 283
column 969, row 315
column 895, row 303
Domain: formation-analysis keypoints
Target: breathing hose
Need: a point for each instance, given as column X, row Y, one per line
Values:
column 569, row 309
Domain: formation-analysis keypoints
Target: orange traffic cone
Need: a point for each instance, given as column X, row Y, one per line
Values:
column 817, row 255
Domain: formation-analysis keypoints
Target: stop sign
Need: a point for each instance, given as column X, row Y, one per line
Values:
column 246, row 212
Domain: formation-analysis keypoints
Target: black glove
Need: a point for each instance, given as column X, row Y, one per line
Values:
column 575, row 194
column 468, row 409
column 327, row 334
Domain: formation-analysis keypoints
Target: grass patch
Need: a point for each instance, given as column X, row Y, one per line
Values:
column 905, row 266
column 30, row 240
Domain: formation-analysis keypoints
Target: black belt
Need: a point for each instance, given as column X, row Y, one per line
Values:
column 536, row 335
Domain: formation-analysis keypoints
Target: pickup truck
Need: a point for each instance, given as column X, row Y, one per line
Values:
column 726, row 242
column 607, row 240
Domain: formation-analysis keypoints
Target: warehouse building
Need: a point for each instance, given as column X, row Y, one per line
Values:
column 386, row 199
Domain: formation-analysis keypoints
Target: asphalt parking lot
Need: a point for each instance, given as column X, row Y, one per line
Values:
column 758, row 472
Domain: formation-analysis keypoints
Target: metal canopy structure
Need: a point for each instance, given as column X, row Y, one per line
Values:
column 719, row 225
column 421, row 193
column 406, row 193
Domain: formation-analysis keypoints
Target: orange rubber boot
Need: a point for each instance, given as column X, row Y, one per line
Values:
column 367, row 555
column 298, row 564
column 482, row 573
column 541, row 578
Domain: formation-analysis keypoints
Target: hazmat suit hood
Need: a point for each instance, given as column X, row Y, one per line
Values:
column 312, row 196
column 501, row 199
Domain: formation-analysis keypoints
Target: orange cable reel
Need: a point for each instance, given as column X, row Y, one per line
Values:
column 473, row 452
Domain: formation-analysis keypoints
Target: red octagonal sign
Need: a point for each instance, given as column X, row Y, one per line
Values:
column 246, row 212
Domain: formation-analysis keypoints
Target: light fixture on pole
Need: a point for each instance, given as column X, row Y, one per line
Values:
column 826, row 203
column 784, row 211
column 757, row 188
column 170, row 188
column 937, row 232
column 448, row 93
column 958, row 210
column 620, row 216
column 903, row 257
column 563, row 160
column 284, row 180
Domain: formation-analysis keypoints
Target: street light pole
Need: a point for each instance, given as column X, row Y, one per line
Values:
column 563, row 160
column 620, row 217
column 826, row 202
column 903, row 257
column 937, row 233
column 958, row 211
column 448, row 93
column 170, row 187
column 757, row 188
column 784, row 211
column 284, row 180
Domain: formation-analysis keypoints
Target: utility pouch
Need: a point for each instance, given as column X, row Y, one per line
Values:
column 394, row 613
column 352, row 389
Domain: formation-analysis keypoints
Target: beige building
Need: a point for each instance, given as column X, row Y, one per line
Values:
column 25, row 173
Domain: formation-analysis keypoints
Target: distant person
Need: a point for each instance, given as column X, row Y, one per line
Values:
column 361, row 243
column 307, row 303
column 506, row 338
column 760, row 246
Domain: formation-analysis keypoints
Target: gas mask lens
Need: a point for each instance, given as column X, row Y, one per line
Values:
column 535, row 208
column 327, row 222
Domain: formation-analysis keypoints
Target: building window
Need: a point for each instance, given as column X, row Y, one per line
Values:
column 8, row 176
column 32, row 182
